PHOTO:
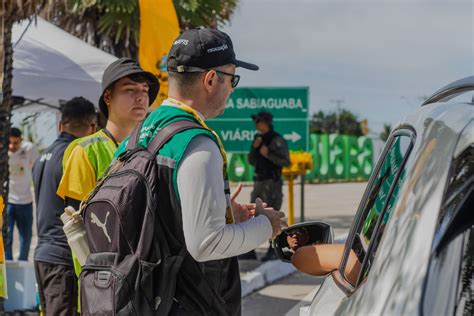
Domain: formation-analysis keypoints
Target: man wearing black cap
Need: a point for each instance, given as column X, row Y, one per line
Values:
column 127, row 92
column 269, row 154
column 212, row 226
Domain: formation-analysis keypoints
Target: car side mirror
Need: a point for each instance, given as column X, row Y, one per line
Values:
column 302, row 234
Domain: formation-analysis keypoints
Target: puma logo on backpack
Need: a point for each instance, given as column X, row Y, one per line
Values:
column 95, row 220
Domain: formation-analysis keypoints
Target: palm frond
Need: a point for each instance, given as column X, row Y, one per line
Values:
column 113, row 25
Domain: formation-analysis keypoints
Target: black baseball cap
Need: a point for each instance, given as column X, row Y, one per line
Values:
column 264, row 116
column 125, row 67
column 204, row 48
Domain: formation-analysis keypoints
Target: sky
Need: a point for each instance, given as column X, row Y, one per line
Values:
column 376, row 58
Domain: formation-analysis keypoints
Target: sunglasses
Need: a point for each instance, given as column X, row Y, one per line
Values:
column 290, row 232
column 234, row 81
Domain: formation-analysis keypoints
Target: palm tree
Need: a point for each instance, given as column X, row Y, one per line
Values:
column 11, row 12
column 113, row 25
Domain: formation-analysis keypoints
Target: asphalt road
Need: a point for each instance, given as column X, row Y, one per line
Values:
column 335, row 204
column 283, row 297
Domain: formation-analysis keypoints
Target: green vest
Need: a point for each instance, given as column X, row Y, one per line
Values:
column 177, row 146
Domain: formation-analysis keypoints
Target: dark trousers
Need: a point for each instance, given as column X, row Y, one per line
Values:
column 22, row 215
column 57, row 288
column 270, row 191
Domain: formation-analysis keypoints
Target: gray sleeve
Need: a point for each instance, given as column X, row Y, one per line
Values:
column 203, row 203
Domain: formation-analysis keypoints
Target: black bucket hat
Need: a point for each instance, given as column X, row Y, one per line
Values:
column 204, row 48
column 125, row 67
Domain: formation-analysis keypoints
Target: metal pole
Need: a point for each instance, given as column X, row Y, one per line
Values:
column 291, row 211
column 302, row 198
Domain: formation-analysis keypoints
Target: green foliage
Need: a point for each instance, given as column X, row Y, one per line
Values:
column 341, row 122
column 212, row 13
column 387, row 129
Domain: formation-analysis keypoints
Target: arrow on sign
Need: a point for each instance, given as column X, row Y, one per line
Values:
column 294, row 136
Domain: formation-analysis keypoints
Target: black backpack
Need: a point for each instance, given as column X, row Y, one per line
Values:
column 131, row 270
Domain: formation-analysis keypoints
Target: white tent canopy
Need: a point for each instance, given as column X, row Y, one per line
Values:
column 50, row 65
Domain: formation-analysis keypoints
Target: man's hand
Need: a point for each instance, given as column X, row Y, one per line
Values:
column 264, row 151
column 273, row 215
column 257, row 142
column 242, row 212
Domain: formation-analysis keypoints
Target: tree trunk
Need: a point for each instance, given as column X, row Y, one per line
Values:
column 5, row 111
column 1, row 46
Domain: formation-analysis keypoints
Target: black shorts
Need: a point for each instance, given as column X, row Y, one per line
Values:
column 57, row 288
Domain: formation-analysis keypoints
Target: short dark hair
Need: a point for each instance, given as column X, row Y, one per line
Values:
column 15, row 132
column 183, row 79
column 77, row 110
column 139, row 78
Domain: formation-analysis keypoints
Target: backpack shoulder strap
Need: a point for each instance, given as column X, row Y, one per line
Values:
column 134, row 136
column 166, row 133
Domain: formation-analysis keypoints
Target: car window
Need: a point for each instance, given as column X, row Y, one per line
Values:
column 377, row 209
column 449, row 286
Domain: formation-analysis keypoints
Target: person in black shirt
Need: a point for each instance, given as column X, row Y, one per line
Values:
column 57, row 282
column 269, row 154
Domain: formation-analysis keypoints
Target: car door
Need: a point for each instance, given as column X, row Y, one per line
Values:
column 373, row 215
column 449, row 284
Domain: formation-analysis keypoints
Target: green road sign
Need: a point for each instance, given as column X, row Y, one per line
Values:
column 237, row 136
column 289, row 107
column 284, row 103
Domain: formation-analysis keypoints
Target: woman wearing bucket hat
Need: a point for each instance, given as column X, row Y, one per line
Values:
column 127, row 92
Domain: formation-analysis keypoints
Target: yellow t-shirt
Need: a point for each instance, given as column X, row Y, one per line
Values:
column 84, row 163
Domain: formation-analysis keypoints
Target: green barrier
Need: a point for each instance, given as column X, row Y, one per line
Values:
column 335, row 158
column 354, row 170
column 311, row 175
column 365, row 157
column 324, row 171
column 239, row 169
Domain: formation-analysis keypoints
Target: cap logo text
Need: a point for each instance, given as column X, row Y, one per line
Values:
column 181, row 41
column 217, row 49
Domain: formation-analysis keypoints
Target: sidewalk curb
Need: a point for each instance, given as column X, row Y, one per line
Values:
column 271, row 271
column 265, row 274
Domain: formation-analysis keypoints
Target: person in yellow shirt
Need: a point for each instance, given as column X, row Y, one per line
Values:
column 127, row 92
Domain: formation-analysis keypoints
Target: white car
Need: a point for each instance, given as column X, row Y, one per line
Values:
column 413, row 234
